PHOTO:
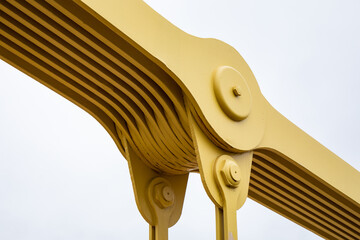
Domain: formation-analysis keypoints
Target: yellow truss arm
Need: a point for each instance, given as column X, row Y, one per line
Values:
column 176, row 104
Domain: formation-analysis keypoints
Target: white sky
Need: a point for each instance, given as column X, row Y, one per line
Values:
column 62, row 177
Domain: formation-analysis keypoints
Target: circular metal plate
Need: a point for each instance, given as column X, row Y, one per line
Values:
column 232, row 93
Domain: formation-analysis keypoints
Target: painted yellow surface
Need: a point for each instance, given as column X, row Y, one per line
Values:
column 176, row 104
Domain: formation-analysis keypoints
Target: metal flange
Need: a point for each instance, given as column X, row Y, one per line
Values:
column 232, row 93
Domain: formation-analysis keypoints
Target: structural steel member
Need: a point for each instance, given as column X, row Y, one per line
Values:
column 176, row 104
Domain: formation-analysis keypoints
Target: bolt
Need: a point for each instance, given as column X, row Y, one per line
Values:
column 231, row 173
column 237, row 91
column 232, row 93
column 168, row 194
column 235, row 172
column 164, row 195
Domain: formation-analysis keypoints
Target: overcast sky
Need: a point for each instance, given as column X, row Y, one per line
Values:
column 62, row 177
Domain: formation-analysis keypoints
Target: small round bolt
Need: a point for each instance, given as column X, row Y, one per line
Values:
column 231, row 173
column 164, row 195
column 237, row 91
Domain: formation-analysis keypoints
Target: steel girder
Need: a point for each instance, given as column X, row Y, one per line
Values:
column 176, row 104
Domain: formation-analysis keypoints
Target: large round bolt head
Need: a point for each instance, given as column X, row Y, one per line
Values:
column 168, row 194
column 235, row 172
column 232, row 93
column 164, row 195
column 231, row 173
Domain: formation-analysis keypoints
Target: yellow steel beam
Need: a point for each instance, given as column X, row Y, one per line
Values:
column 176, row 104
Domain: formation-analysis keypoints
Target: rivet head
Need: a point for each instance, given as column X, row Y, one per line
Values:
column 168, row 194
column 232, row 93
column 231, row 173
column 237, row 91
column 235, row 173
column 164, row 195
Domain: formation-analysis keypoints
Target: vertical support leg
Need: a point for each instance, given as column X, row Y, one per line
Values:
column 158, row 233
column 219, row 219
column 228, row 175
column 159, row 197
column 226, row 223
column 162, row 200
column 226, row 178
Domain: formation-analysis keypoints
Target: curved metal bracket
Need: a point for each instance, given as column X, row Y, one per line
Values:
column 225, row 177
column 159, row 197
